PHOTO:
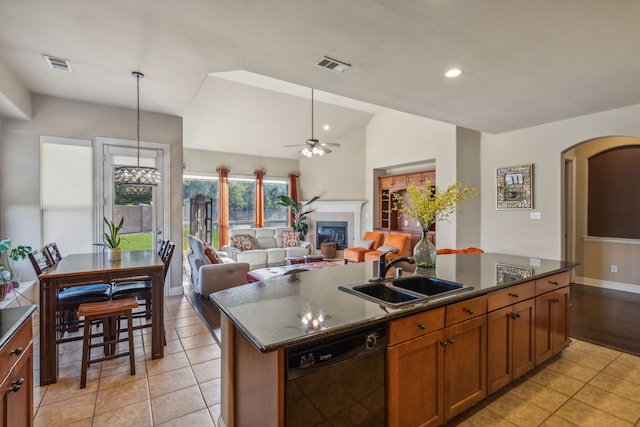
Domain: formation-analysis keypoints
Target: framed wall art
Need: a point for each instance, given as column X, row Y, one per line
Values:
column 514, row 187
column 508, row 273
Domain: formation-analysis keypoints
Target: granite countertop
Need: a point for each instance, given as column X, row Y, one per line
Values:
column 11, row 319
column 303, row 307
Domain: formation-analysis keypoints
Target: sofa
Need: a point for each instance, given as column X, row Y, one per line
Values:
column 400, row 243
column 265, row 247
column 371, row 240
column 209, row 276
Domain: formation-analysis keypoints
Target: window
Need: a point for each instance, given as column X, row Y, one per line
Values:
column 207, row 185
column 274, row 214
column 66, row 181
column 242, row 202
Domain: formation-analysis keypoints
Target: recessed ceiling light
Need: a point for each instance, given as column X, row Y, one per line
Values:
column 326, row 127
column 454, row 72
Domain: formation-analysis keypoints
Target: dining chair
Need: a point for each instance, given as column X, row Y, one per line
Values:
column 142, row 288
column 69, row 299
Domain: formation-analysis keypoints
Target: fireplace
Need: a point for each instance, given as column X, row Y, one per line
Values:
column 332, row 231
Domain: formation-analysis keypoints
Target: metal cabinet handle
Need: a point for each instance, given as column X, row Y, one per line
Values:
column 553, row 282
column 421, row 326
column 16, row 385
column 450, row 340
column 468, row 310
column 515, row 316
column 514, row 295
column 18, row 351
column 555, row 300
column 443, row 343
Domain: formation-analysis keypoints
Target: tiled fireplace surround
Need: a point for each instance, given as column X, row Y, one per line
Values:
column 350, row 211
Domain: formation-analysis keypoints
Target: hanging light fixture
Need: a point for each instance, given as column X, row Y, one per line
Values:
column 137, row 178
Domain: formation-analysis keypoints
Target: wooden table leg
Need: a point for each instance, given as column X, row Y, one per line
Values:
column 157, row 315
column 48, row 321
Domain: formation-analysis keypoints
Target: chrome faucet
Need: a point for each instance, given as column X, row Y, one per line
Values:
column 383, row 266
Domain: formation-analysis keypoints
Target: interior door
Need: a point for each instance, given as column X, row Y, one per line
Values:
column 143, row 209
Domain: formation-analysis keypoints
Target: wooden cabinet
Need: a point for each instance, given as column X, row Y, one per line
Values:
column 388, row 217
column 434, row 376
column 551, row 324
column 16, row 388
column 465, row 342
column 419, row 179
column 510, row 342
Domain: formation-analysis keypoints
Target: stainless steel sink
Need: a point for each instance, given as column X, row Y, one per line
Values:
column 426, row 285
column 402, row 292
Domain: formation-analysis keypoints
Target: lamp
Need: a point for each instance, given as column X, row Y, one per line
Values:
column 137, row 178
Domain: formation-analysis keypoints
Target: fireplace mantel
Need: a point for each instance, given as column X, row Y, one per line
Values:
column 323, row 208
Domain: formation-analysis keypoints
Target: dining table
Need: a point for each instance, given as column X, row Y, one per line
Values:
column 92, row 268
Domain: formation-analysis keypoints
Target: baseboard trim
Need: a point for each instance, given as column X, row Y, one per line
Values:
column 176, row 291
column 605, row 284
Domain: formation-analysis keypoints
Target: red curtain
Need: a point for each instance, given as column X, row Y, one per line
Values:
column 223, row 206
column 259, row 198
column 293, row 193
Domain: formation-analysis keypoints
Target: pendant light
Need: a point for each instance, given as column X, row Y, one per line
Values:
column 137, row 177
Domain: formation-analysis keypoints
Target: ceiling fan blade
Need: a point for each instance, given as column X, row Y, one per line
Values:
column 295, row 145
column 333, row 144
column 326, row 150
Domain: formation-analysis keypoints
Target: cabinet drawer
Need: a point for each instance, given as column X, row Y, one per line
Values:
column 415, row 325
column 16, row 345
column 385, row 183
column 551, row 283
column 464, row 310
column 508, row 296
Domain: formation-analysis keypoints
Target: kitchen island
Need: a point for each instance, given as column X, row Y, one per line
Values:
column 262, row 321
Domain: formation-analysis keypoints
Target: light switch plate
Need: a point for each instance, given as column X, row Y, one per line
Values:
column 536, row 215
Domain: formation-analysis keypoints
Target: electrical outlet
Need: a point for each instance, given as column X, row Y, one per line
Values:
column 534, row 262
column 614, row 268
column 536, row 215
column 406, row 222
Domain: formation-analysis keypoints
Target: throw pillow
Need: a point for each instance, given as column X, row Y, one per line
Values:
column 366, row 244
column 387, row 248
column 242, row 242
column 290, row 239
column 209, row 253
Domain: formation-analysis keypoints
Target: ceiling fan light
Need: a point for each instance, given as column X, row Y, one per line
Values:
column 315, row 150
column 306, row 152
column 320, row 152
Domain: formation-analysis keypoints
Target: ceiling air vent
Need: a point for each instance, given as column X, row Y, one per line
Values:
column 333, row 64
column 58, row 63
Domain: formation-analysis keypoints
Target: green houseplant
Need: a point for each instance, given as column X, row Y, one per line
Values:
column 299, row 213
column 428, row 206
column 16, row 254
column 112, row 238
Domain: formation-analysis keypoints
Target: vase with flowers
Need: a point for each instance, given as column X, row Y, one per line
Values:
column 428, row 206
column 7, row 274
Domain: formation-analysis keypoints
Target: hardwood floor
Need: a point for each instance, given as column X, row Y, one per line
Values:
column 600, row 316
column 606, row 317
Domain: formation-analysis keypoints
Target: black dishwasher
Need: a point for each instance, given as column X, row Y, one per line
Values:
column 339, row 381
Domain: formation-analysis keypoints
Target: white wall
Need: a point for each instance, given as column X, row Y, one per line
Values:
column 512, row 231
column 20, row 160
column 204, row 161
column 336, row 176
column 396, row 139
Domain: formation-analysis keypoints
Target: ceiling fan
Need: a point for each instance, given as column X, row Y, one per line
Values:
column 313, row 146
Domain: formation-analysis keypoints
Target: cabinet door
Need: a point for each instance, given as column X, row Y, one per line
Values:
column 559, row 303
column 414, row 382
column 552, row 324
column 465, row 365
column 16, row 398
column 499, row 358
column 522, row 339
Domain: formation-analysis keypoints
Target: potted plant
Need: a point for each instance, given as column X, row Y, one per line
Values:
column 112, row 239
column 299, row 223
column 16, row 254
column 428, row 206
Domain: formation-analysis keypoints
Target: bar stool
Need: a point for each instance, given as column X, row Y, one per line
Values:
column 109, row 312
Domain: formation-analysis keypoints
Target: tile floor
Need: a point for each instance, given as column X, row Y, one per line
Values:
column 587, row 385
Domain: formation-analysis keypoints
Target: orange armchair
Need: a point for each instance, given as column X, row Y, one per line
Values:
column 470, row 250
column 400, row 241
column 356, row 254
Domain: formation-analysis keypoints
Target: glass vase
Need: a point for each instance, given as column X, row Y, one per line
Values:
column 424, row 252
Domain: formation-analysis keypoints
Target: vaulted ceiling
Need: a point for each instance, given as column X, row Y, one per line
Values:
column 523, row 63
